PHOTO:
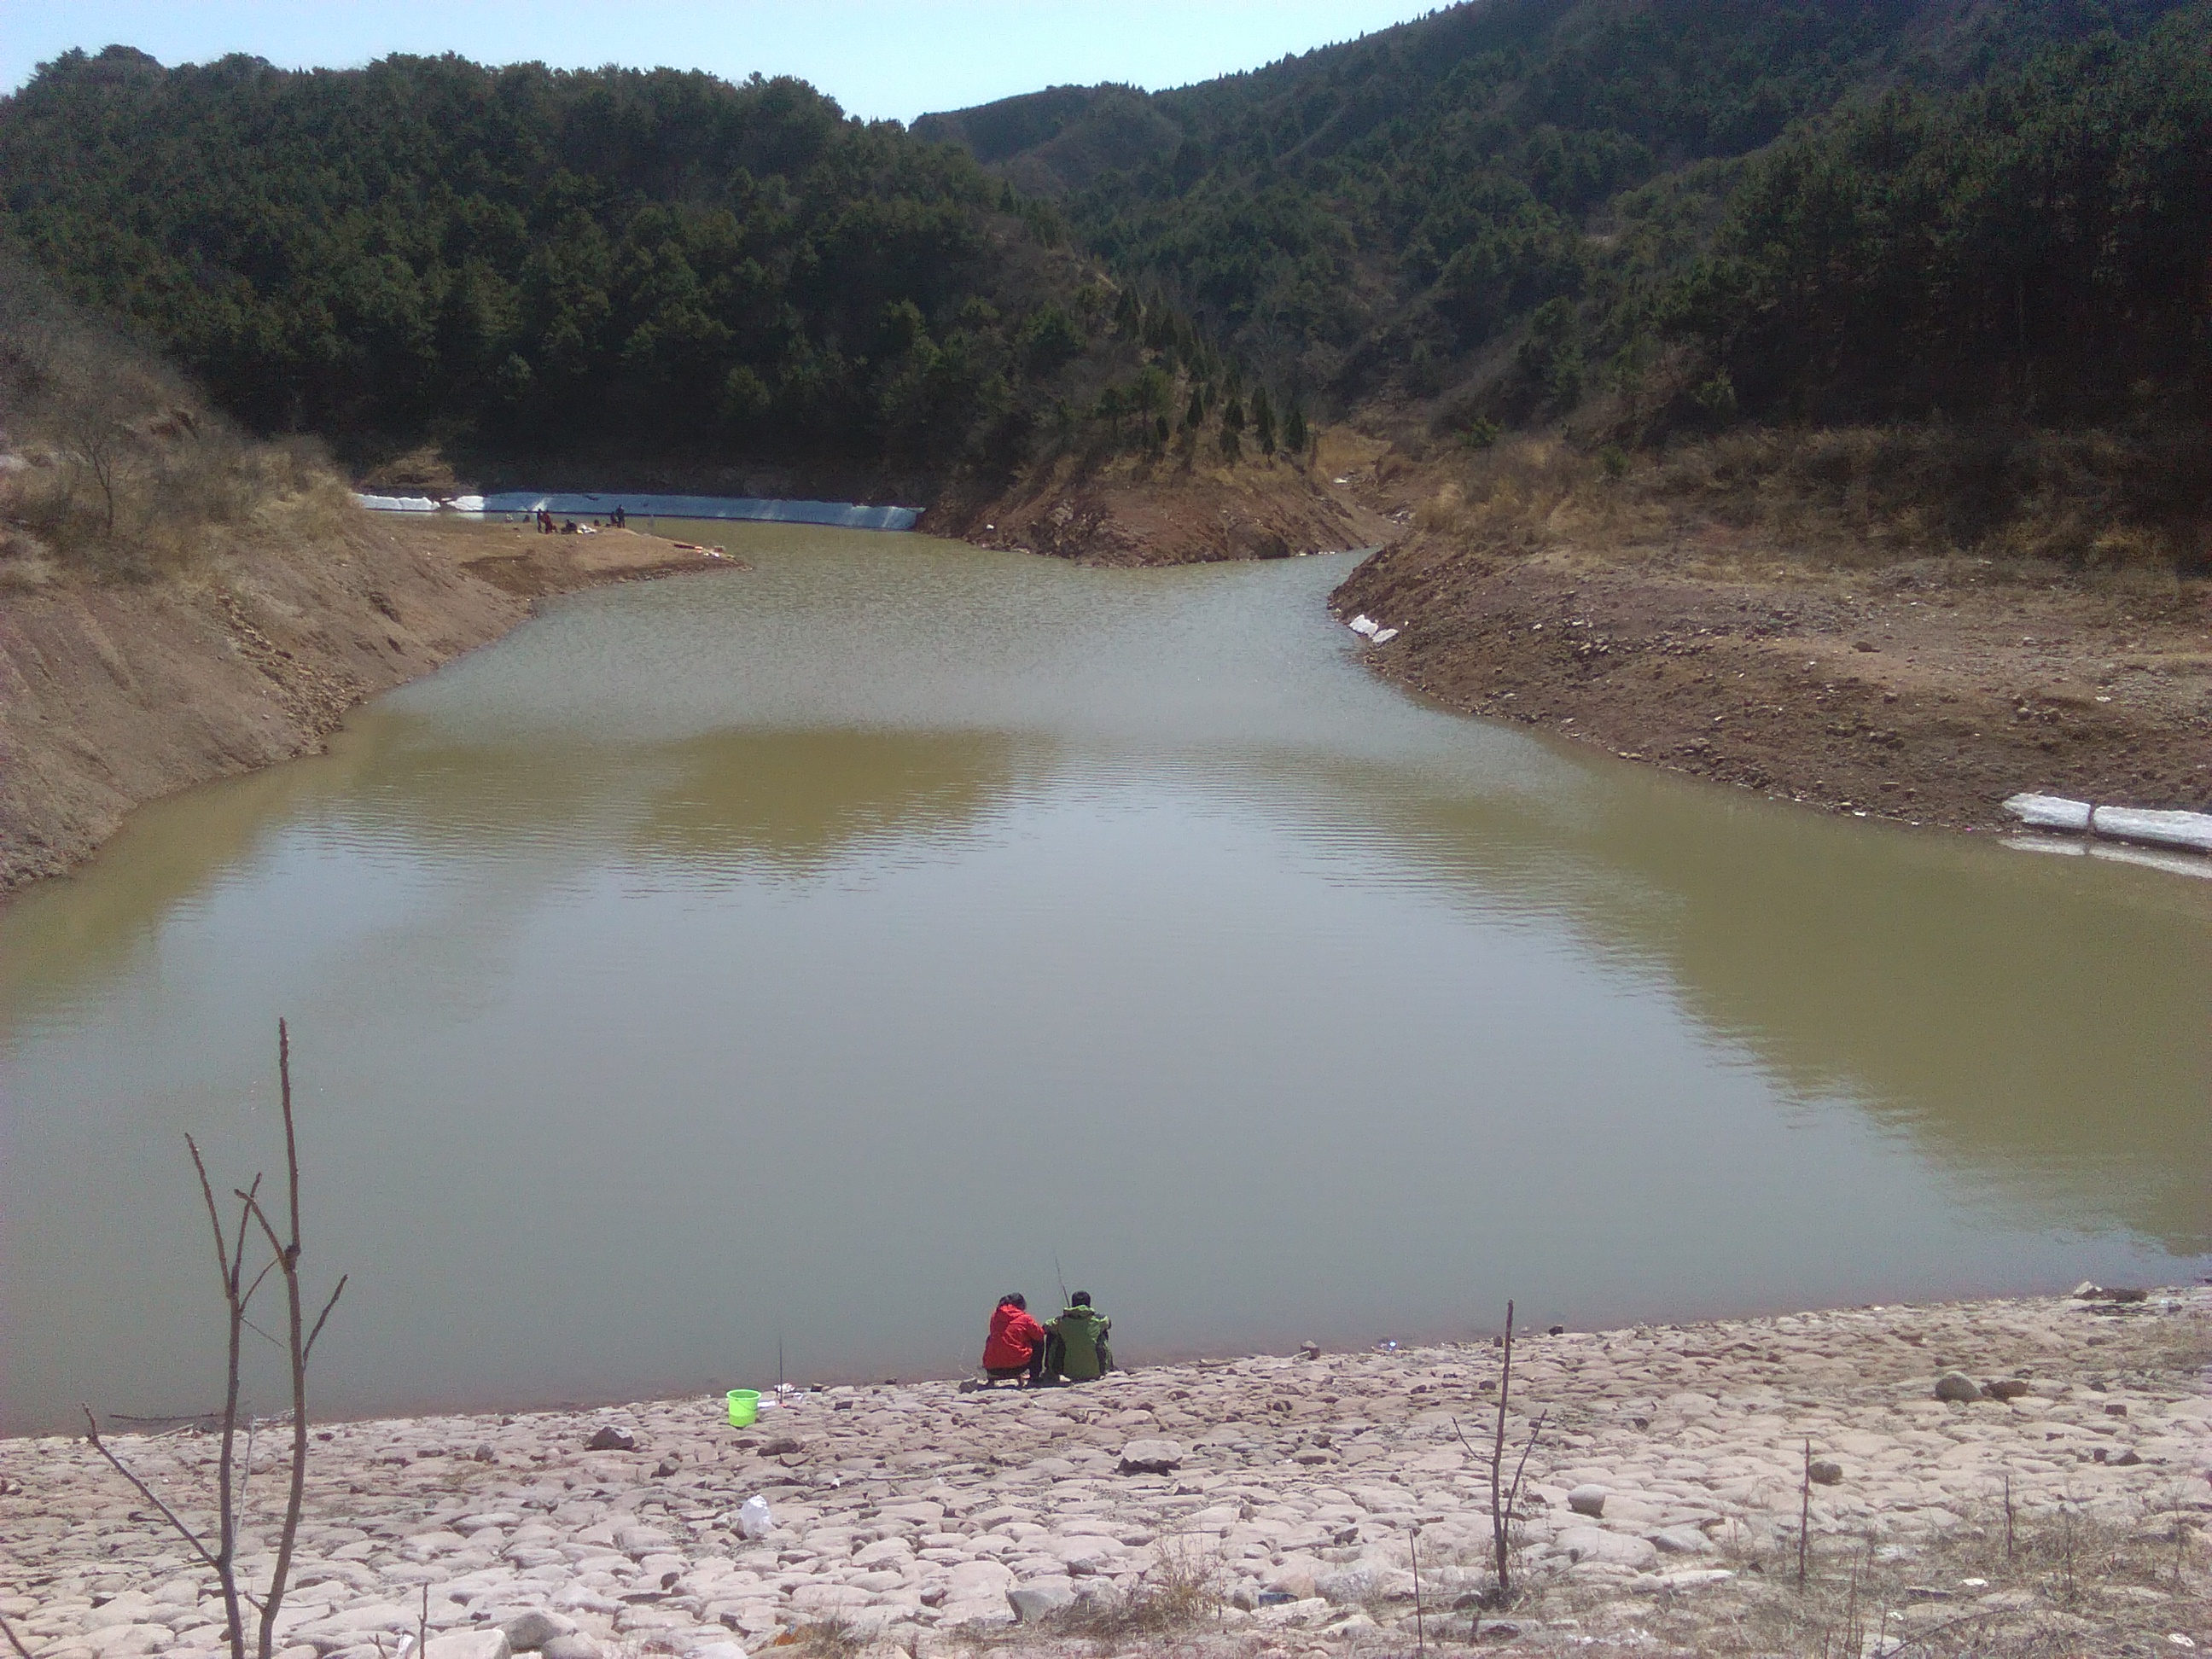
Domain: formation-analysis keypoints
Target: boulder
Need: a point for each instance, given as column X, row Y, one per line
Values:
column 1153, row 1456
column 468, row 1644
column 1681, row 1540
column 531, row 1631
column 1595, row 1544
column 1957, row 1388
column 1032, row 1602
column 575, row 1645
column 1589, row 1499
column 612, row 1437
column 1691, row 1577
column 2004, row 1388
column 1363, row 1581
column 1824, row 1471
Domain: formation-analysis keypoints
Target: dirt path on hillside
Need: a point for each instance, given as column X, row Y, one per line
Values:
column 113, row 694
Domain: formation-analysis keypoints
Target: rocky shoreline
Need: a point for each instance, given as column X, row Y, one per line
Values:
column 1287, row 1500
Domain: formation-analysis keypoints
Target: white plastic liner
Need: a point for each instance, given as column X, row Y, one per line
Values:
column 2050, row 812
column 521, row 503
column 2192, row 830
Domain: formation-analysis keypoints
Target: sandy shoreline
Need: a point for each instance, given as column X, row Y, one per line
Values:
column 1666, row 1483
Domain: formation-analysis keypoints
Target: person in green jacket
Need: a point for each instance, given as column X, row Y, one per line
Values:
column 1076, row 1341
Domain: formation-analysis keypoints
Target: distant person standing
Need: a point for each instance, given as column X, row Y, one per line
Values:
column 1015, row 1346
column 1078, row 1341
column 618, row 518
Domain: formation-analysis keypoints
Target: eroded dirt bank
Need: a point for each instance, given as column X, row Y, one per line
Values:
column 1923, row 693
column 2018, row 1476
column 1166, row 512
column 113, row 694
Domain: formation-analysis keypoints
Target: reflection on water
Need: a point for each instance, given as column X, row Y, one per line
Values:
column 810, row 954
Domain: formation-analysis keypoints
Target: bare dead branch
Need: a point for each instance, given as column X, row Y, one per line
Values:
column 291, row 1140
column 1535, row 1431
column 321, row 1318
column 1497, row 1525
column 92, row 1428
column 257, row 1278
column 215, row 1220
column 14, row 1640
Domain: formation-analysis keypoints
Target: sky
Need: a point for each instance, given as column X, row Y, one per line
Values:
column 879, row 58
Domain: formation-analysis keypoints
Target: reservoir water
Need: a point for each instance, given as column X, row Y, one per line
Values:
column 794, row 959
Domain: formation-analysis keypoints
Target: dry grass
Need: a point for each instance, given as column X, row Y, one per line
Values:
column 2127, row 513
column 1181, row 1591
column 117, row 470
column 2063, row 1580
column 832, row 1638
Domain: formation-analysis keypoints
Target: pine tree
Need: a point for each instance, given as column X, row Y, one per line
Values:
column 1294, row 432
column 1263, row 420
column 1232, row 429
column 1195, row 416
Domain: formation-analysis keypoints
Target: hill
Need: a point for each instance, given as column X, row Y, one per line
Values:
column 520, row 258
column 1863, row 207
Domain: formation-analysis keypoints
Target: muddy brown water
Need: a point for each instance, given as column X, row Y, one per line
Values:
column 800, row 957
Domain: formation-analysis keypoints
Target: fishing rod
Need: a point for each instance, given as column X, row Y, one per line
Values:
column 1062, row 1277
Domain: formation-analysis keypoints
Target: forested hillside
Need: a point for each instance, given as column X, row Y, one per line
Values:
column 1645, row 216
column 1704, row 207
column 430, row 246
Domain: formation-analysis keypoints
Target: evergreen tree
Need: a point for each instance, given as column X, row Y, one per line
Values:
column 1294, row 432
column 1232, row 430
column 1263, row 420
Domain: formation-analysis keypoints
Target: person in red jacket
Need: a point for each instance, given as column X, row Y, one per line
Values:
column 1016, row 1344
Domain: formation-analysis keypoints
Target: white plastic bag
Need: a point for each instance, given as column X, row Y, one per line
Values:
column 753, row 1518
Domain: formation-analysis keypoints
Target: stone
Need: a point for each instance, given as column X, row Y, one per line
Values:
column 715, row 1650
column 533, row 1631
column 1364, row 1581
column 1032, row 1602
column 1614, row 1548
column 468, row 1644
column 575, row 1645
column 612, row 1437
column 1824, row 1472
column 1681, row 1540
column 1589, row 1499
column 1957, row 1388
column 127, row 1641
column 2004, row 1388
column 1691, row 1578
column 1153, row 1456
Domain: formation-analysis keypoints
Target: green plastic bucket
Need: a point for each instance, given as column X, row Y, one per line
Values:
column 744, row 1408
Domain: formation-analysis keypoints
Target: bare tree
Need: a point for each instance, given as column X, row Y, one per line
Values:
column 1504, row 1495
column 234, row 1249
